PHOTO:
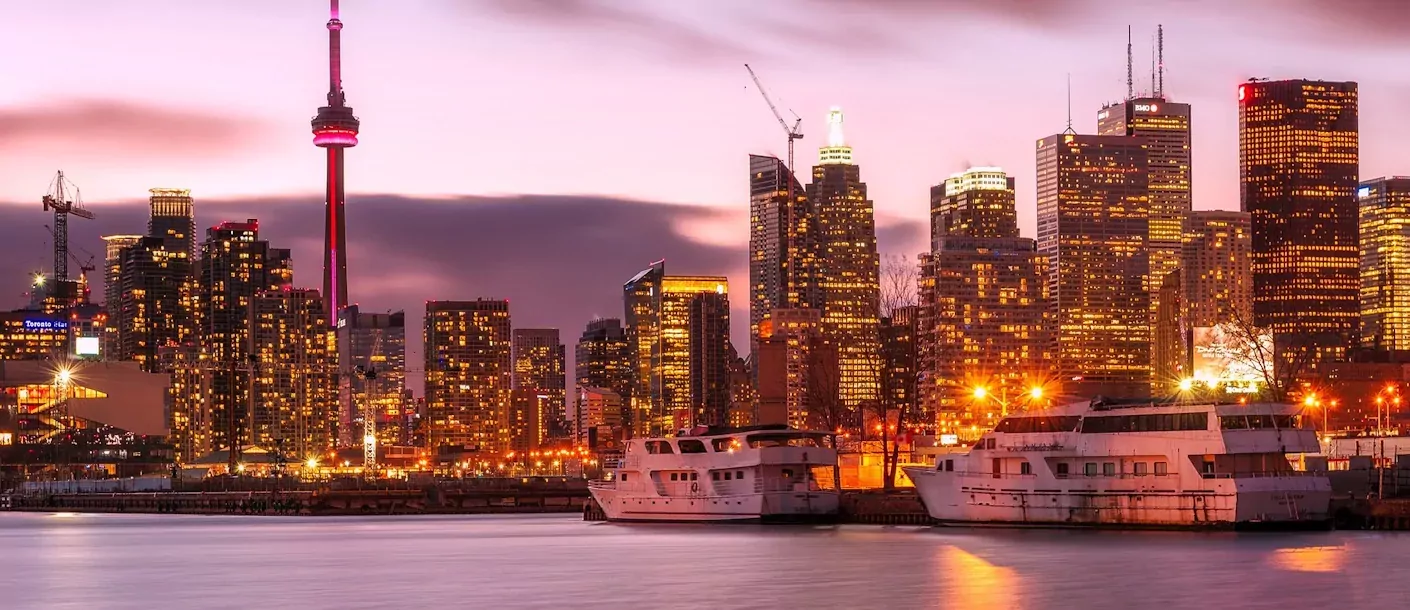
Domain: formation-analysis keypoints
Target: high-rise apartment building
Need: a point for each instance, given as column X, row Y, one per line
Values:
column 173, row 219
column 597, row 418
column 978, row 202
column 1170, row 356
column 112, row 288
column 294, row 408
column 983, row 314
column 152, row 304
column 1385, row 265
column 1092, row 228
column 1165, row 126
column 32, row 335
column 539, row 384
column 602, row 358
column 373, row 343
column 678, row 336
column 782, row 243
column 900, row 362
column 1298, row 169
column 469, row 374
column 848, row 267
column 1218, row 268
column 235, row 266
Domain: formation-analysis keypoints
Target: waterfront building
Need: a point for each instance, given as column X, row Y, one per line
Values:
column 900, row 362
column 1165, row 127
column 151, row 306
column 1218, row 262
column 468, row 374
column 983, row 319
column 1385, row 266
column 849, row 267
column 678, row 335
column 1298, row 168
column 1170, row 363
column 602, row 357
column 597, row 420
column 173, row 219
column 796, row 366
column 538, row 384
column 783, row 262
column 235, row 266
column 112, row 287
column 32, row 335
column 295, row 406
column 1092, row 202
column 375, row 343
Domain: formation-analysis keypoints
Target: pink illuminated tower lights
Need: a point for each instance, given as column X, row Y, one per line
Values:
column 335, row 128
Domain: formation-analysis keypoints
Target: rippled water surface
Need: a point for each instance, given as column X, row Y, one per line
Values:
column 151, row 561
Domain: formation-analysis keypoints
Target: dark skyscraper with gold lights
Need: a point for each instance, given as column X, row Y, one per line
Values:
column 1298, row 169
column 1092, row 227
column 469, row 372
column 1385, row 266
column 848, row 268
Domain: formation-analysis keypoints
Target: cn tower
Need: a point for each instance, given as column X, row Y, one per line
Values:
column 335, row 128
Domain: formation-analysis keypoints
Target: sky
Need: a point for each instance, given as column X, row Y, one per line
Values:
column 546, row 150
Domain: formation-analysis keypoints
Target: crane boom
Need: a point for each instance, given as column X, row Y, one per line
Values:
column 793, row 133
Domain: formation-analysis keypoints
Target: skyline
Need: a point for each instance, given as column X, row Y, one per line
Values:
column 701, row 176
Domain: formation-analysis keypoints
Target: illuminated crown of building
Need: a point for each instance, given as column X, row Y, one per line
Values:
column 977, row 179
column 837, row 152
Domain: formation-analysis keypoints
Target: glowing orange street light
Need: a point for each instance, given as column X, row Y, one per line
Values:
column 980, row 392
column 1036, row 393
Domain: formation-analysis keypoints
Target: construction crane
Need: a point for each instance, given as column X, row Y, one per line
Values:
column 65, row 200
column 83, row 267
column 368, row 373
column 792, row 132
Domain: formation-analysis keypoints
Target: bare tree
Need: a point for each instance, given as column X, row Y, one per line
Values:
column 1279, row 361
column 900, row 277
column 826, row 410
column 900, row 285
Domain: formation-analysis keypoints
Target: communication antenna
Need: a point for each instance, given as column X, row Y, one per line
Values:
column 1069, row 129
column 1130, row 83
column 1160, row 59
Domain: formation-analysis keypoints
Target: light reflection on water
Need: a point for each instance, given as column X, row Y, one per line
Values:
column 545, row 561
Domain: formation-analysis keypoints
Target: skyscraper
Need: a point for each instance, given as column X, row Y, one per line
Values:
column 602, row 357
column 782, row 243
column 1218, row 276
column 150, row 311
column 294, row 410
column 539, row 384
column 173, row 219
column 678, row 336
column 468, row 374
column 335, row 128
column 983, row 319
column 849, row 267
column 1165, row 127
column 375, row 342
column 797, row 369
column 112, row 288
column 899, row 363
column 1092, row 201
column 1298, row 156
column 235, row 266
column 1385, row 265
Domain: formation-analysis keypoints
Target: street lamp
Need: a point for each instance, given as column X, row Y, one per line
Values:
column 1187, row 384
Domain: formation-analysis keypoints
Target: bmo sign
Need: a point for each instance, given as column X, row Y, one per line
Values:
column 1147, row 107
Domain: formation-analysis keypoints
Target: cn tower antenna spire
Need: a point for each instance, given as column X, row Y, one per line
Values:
column 335, row 57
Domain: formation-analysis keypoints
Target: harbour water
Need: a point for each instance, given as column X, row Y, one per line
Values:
column 101, row 561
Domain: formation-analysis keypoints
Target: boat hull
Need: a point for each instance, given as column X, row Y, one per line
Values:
column 766, row 507
column 1274, row 502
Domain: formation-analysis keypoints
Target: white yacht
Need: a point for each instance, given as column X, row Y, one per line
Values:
column 759, row 473
column 1133, row 465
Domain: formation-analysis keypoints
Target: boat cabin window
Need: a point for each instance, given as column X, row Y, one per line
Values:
column 725, row 444
column 1025, row 468
column 949, row 465
column 624, row 477
column 715, row 476
column 657, row 447
column 691, row 446
column 1138, row 469
column 1108, row 469
column 694, row 476
column 1164, row 422
column 727, row 473
column 673, row 476
column 787, row 473
column 781, row 440
column 1028, row 425
column 1090, row 469
column 1161, row 469
column 1062, row 469
column 1257, row 422
column 739, row 474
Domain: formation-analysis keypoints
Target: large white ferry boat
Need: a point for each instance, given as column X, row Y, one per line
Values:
column 759, row 473
column 1133, row 465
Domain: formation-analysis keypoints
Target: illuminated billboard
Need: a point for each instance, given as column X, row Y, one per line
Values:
column 87, row 346
column 1229, row 356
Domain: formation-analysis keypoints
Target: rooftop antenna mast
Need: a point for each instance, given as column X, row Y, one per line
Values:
column 1130, row 83
column 1069, row 129
column 1160, row 60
